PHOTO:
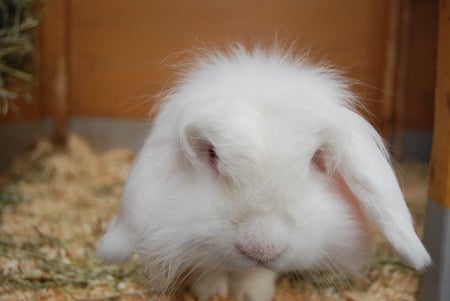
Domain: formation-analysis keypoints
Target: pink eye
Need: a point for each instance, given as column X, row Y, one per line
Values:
column 212, row 156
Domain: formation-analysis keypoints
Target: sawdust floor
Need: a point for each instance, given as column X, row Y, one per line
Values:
column 56, row 203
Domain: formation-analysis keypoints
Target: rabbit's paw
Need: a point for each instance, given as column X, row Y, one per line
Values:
column 206, row 286
column 253, row 285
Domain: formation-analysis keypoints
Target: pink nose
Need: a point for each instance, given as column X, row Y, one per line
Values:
column 261, row 252
column 262, row 238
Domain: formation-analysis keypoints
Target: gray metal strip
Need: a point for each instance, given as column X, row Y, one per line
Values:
column 435, row 283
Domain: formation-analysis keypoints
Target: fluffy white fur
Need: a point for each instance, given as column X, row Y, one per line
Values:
column 283, row 131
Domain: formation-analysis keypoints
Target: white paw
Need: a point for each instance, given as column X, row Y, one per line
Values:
column 252, row 285
column 205, row 286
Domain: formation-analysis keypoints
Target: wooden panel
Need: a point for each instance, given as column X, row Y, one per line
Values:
column 421, row 70
column 53, row 66
column 440, row 162
column 118, row 50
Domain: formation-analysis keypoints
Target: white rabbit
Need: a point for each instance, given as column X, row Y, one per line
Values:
column 257, row 163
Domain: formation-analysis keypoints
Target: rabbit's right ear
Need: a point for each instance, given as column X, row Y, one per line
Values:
column 359, row 157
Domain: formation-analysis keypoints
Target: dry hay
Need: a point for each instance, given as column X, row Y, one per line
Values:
column 55, row 204
column 18, row 18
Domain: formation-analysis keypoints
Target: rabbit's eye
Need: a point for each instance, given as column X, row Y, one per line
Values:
column 212, row 156
column 317, row 160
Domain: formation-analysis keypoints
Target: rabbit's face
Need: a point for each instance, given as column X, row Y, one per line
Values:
column 259, row 160
column 259, row 196
column 234, row 199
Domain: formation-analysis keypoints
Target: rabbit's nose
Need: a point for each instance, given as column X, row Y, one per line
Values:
column 262, row 238
column 261, row 252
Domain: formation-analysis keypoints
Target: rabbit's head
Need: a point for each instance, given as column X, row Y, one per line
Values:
column 259, row 159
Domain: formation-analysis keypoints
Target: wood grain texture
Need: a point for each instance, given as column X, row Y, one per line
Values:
column 440, row 162
column 421, row 70
column 54, row 67
column 390, row 67
column 119, row 51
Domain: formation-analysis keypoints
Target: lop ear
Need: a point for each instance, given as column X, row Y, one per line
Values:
column 360, row 159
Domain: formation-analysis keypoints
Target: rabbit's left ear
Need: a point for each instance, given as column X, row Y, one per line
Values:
column 361, row 160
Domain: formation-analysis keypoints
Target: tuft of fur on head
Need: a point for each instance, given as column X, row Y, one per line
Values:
column 258, row 158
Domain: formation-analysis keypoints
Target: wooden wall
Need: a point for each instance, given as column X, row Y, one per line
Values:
column 421, row 66
column 115, row 55
column 440, row 163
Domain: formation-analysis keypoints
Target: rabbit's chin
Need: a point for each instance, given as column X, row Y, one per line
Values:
column 165, row 277
column 348, row 265
column 345, row 259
